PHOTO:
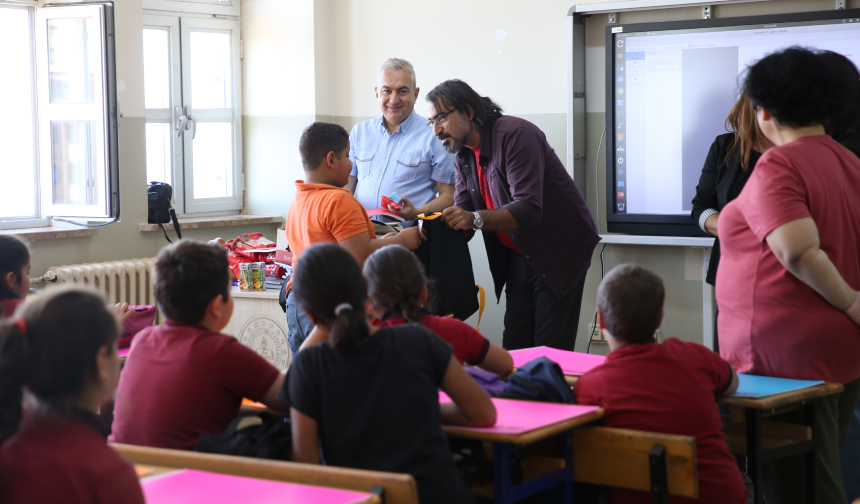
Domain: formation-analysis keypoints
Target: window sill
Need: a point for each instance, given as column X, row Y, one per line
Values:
column 213, row 222
column 49, row 233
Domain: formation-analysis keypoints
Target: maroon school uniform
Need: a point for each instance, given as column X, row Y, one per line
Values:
column 65, row 460
column 182, row 381
column 8, row 307
column 469, row 346
column 669, row 388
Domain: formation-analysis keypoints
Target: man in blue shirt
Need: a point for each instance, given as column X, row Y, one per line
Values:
column 397, row 153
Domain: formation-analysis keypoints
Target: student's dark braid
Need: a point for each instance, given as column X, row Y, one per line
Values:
column 395, row 278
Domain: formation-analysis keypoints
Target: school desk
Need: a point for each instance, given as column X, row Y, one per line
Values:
column 523, row 423
column 572, row 364
column 764, row 441
column 190, row 485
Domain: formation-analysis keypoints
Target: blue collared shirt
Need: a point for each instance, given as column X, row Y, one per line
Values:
column 409, row 161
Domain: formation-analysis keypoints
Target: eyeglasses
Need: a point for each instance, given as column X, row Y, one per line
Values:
column 440, row 120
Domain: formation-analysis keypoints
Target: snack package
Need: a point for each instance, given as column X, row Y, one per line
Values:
column 243, row 276
column 275, row 270
column 393, row 201
column 257, row 276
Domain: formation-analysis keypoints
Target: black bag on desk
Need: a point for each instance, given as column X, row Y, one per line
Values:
column 262, row 436
column 446, row 259
column 161, row 212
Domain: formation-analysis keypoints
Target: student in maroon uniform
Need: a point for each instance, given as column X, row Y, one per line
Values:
column 61, row 349
column 397, row 289
column 14, row 274
column 666, row 388
column 185, row 379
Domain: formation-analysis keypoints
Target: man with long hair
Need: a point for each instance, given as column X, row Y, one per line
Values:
column 537, row 228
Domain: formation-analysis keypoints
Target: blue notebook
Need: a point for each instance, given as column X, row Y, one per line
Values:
column 756, row 387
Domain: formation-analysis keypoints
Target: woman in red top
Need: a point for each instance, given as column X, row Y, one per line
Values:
column 14, row 274
column 786, row 286
column 61, row 350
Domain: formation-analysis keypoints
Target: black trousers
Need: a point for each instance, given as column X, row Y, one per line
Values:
column 534, row 316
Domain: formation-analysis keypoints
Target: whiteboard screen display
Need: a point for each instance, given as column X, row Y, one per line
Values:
column 672, row 90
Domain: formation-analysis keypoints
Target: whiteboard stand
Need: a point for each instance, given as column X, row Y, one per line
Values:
column 680, row 241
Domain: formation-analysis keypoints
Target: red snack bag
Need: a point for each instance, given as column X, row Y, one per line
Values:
column 233, row 259
column 386, row 202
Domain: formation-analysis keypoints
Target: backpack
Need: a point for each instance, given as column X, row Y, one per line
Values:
column 490, row 382
column 158, row 196
column 539, row 380
column 262, row 436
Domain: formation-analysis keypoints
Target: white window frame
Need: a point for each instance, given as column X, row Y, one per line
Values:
column 218, row 8
column 35, row 220
column 104, row 112
column 179, row 27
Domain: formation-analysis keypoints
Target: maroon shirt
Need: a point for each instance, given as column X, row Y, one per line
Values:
column 66, row 460
column 8, row 307
column 557, row 234
column 182, row 381
column 669, row 388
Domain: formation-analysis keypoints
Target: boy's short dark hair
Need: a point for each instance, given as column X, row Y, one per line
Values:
column 318, row 140
column 630, row 298
column 188, row 276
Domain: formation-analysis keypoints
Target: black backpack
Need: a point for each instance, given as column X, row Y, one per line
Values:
column 262, row 436
column 161, row 212
column 538, row 380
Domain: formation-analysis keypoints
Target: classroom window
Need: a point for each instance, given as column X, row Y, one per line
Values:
column 59, row 136
column 193, row 116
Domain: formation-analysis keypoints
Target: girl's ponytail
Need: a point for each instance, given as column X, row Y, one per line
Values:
column 327, row 282
column 349, row 327
column 14, row 368
column 395, row 278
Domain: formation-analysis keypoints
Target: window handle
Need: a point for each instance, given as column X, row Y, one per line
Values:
column 192, row 121
column 183, row 121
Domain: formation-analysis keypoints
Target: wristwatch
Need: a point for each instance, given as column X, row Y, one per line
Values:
column 479, row 222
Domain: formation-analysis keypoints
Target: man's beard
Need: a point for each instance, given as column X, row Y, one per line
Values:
column 456, row 143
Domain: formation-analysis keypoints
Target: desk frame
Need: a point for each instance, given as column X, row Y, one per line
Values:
column 757, row 456
column 754, row 410
column 506, row 444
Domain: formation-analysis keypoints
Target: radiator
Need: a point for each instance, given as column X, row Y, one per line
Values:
column 127, row 281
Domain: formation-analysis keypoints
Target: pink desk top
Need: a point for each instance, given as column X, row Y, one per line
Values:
column 189, row 486
column 572, row 363
column 518, row 417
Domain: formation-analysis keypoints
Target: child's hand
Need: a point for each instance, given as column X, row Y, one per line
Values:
column 218, row 241
column 121, row 311
column 411, row 237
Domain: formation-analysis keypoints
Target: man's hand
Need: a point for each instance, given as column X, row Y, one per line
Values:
column 457, row 218
column 411, row 237
column 408, row 212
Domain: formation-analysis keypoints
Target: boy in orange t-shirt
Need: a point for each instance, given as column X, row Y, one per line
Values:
column 323, row 211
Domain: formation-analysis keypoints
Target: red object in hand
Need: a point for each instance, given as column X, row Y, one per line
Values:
column 386, row 202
